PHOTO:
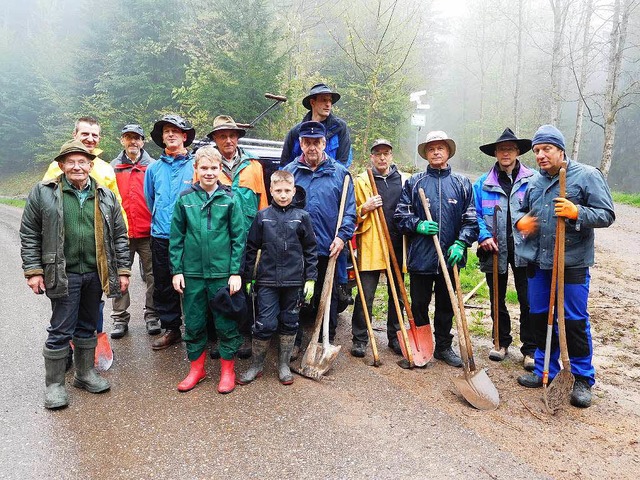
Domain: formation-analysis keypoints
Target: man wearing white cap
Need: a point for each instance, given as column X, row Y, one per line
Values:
column 454, row 221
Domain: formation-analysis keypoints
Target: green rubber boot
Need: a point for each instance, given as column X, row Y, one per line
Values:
column 55, row 366
column 259, row 349
column 85, row 375
column 286, row 347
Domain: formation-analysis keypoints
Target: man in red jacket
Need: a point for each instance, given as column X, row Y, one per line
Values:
column 130, row 167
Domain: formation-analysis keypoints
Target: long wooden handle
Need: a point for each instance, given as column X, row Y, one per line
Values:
column 562, row 333
column 443, row 263
column 496, row 307
column 552, row 304
column 327, row 286
column 365, row 308
column 463, row 334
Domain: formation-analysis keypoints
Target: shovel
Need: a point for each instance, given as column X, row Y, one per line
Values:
column 365, row 310
column 104, row 353
column 560, row 389
column 319, row 357
column 417, row 347
column 475, row 386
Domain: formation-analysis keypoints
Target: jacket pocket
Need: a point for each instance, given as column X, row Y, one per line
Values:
column 49, row 266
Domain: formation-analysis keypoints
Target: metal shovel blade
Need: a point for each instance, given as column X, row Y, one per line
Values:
column 559, row 391
column 478, row 389
column 421, row 342
column 104, row 353
column 318, row 359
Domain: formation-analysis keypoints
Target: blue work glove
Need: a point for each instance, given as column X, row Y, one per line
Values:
column 309, row 287
column 427, row 227
column 456, row 252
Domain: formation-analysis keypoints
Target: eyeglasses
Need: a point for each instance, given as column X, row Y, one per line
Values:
column 79, row 163
column 381, row 154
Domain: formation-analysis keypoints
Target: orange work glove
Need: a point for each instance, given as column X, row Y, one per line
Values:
column 565, row 208
column 527, row 225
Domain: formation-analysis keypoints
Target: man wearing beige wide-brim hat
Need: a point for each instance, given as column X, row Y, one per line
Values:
column 454, row 221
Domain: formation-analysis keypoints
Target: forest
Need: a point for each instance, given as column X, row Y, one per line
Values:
column 483, row 65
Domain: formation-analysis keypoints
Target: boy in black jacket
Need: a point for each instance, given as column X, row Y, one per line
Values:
column 286, row 270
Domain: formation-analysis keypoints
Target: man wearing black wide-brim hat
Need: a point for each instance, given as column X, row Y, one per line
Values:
column 164, row 180
column 504, row 186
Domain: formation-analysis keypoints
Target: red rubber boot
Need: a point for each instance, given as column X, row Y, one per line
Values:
column 196, row 375
column 227, row 376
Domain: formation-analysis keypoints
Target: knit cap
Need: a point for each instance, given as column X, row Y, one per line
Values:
column 548, row 134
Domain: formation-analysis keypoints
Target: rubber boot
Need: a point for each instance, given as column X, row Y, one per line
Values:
column 227, row 376
column 85, row 375
column 55, row 362
column 195, row 376
column 286, row 346
column 259, row 348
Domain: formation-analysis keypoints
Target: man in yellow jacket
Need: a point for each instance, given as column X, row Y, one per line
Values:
column 87, row 130
column 371, row 261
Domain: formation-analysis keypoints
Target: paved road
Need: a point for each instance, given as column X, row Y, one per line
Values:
column 363, row 422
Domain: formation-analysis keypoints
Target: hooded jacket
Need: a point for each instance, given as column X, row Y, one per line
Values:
column 42, row 238
column 586, row 188
column 338, row 141
column 451, row 206
column 207, row 234
column 164, row 180
column 487, row 194
column 285, row 236
column 368, row 238
column 130, row 179
column 324, row 191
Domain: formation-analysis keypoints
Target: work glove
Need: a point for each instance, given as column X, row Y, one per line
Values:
column 309, row 287
column 456, row 252
column 565, row 208
column 248, row 286
column 427, row 227
column 527, row 225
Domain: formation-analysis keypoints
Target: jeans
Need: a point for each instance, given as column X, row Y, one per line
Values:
column 166, row 300
column 75, row 315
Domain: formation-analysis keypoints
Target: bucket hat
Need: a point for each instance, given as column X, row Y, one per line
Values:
column 437, row 136
column 317, row 89
column 177, row 121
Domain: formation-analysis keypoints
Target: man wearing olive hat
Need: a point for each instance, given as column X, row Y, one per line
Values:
column 163, row 182
column 319, row 102
column 504, row 186
column 586, row 206
column 74, row 247
column 454, row 221
column 242, row 171
column 130, row 167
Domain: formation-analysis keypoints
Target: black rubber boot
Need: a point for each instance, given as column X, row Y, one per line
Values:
column 260, row 348
column 581, row 394
column 55, row 362
column 86, row 376
column 286, row 347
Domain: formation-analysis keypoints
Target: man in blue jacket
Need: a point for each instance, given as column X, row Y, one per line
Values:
column 454, row 221
column 588, row 205
column 322, row 179
column 163, row 182
column 504, row 186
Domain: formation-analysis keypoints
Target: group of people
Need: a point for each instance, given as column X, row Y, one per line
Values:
column 205, row 233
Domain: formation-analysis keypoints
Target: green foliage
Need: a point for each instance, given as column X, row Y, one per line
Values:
column 511, row 297
column 627, row 198
column 14, row 202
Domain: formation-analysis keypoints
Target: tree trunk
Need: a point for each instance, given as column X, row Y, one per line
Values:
column 516, row 96
column 559, row 15
column 582, row 82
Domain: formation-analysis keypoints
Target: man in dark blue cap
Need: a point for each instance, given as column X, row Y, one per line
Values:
column 588, row 205
column 322, row 178
column 338, row 143
column 504, row 187
column 163, row 183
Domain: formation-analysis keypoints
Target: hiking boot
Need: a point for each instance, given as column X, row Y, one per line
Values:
column 119, row 330
column 581, row 394
column 358, row 349
column 394, row 345
column 498, row 355
column 449, row 357
column 529, row 364
column 153, row 327
column 167, row 339
column 530, row 380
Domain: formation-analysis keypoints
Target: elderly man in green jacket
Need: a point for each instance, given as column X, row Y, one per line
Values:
column 74, row 247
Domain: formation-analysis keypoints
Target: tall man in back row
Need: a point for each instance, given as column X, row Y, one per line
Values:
column 504, row 186
column 588, row 205
column 454, row 221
